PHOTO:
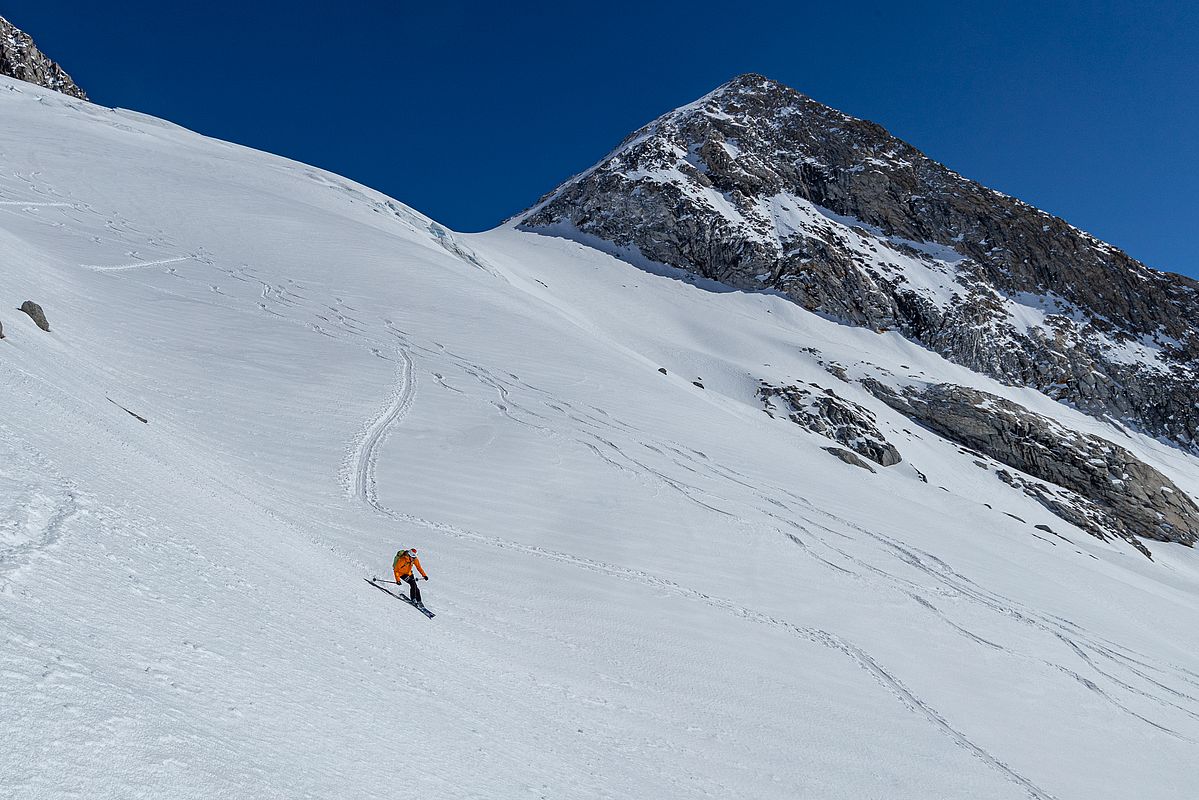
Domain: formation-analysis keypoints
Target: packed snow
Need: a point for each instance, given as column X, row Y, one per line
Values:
column 643, row 588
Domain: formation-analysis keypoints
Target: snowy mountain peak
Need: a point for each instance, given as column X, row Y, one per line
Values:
column 752, row 87
column 21, row 59
column 761, row 188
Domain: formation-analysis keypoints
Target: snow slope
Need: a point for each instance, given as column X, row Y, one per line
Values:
column 644, row 588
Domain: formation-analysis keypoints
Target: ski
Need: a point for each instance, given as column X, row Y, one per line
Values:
column 421, row 608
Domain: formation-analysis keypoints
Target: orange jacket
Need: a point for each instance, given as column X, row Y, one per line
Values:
column 403, row 564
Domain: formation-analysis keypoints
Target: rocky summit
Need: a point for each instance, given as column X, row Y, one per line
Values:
column 762, row 188
column 21, row 59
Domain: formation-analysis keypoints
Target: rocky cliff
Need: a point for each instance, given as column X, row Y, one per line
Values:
column 21, row 59
column 1107, row 488
column 760, row 187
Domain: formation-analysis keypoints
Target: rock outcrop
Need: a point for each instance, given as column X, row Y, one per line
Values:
column 36, row 314
column 823, row 412
column 848, row 457
column 21, row 59
column 760, row 187
column 1109, row 491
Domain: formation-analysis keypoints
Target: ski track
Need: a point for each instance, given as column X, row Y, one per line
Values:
column 365, row 488
column 955, row 585
column 506, row 406
column 366, row 454
column 137, row 264
column 813, row 635
column 31, row 204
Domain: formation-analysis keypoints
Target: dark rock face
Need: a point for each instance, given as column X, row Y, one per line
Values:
column 1108, row 489
column 821, row 411
column 36, row 314
column 760, row 187
column 20, row 59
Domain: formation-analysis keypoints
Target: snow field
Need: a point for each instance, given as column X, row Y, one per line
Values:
column 643, row 588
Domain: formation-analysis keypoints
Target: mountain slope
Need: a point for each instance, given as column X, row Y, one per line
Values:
column 760, row 187
column 644, row 588
column 21, row 59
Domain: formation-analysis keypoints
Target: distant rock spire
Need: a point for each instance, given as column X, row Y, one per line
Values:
column 21, row 59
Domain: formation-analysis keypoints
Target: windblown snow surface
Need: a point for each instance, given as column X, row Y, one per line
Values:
column 644, row 588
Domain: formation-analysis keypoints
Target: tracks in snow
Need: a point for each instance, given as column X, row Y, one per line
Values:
column 366, row 454
column 815, row 636
column 137, row 264
column 36, row 502
column 364, row 486
column 25, row 204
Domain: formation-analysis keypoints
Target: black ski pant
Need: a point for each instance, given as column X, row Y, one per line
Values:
column 413, row 589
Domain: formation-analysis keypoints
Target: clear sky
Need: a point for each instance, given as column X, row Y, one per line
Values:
column 470, row 111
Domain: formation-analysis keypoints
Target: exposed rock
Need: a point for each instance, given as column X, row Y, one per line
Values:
column 1092, row 483
column 822, row 412
column 36, row 314
column 760, row 187
column 848, row 457
column 838, row 372
column 21, row 59
column 1, row 330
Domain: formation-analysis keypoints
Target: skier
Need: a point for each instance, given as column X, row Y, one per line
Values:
column 402, row 566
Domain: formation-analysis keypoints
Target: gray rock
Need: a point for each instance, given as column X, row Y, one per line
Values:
column 1, row 330
column 848, row 457
column 1096, row 484
column 36, row 314
column 699, row 187
column 21, row 59
column 823, row 412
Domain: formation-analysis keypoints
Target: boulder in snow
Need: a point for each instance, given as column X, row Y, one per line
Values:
column 36, row 314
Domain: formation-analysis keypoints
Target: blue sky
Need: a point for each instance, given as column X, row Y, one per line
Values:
column 470, row 111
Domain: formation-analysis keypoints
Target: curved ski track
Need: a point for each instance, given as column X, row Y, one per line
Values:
column 367, row 452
